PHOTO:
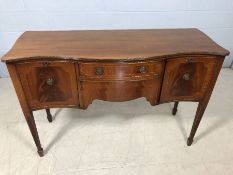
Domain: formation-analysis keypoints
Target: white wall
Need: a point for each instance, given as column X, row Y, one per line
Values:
column 214, row 17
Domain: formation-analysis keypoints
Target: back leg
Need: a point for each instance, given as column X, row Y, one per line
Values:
column 174, row 110
column 49, row 116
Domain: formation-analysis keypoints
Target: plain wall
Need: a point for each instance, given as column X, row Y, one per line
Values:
column 214, row 17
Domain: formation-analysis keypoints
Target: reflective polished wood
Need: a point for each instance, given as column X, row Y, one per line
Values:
column 72, row 68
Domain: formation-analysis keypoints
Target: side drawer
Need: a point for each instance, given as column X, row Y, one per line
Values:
column 187, row 78
column 120, row 70
column 49, row 83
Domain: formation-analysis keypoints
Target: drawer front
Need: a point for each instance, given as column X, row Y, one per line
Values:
column 49, row 84
column 120, row 81
column 118, row 91
column 187, row 78
column 120, row 70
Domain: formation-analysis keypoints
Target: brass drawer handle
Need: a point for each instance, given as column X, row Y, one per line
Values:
column 142, row 69
column 186, row 76
column 50, row 81
column 99, row 71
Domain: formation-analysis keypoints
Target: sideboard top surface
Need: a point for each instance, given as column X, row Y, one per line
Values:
column 112, row 44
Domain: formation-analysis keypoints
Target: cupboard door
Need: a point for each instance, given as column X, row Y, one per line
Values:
column 49, row 84
column 187, row 78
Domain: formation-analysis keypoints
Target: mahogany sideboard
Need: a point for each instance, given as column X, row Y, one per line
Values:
column 54, row 69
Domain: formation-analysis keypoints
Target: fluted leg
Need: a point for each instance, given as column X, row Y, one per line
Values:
column 174, row 110
column 49, row 116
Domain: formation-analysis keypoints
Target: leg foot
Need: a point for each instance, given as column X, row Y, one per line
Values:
column 199, row 114
column 32, row 126
column 174, row 110
column 152, row 103
column 189, row 141
column 49, row 116
column 41, row 152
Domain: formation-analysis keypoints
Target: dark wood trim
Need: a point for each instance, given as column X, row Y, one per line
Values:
column 79, row 84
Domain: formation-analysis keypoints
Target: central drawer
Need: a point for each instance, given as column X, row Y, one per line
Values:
column 119, row 81
column 120, row 70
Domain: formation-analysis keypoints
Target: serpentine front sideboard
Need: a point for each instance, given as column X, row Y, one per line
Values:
column 54, row 69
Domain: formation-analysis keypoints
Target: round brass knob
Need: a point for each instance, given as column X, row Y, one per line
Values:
column 99, row 71
column 142, row 69
column 50, row 81
column 186, row 76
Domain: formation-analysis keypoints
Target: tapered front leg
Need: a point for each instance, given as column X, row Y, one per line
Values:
column 174, row 110
column 204, row 102
column 199, row 114
column 49, row 116
column 32, row 126
column 25, row 107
